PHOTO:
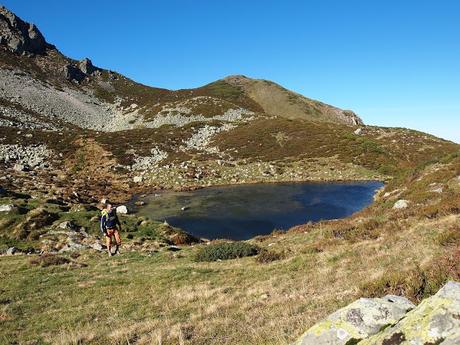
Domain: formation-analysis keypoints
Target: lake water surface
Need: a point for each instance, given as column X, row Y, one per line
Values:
column 243, row 211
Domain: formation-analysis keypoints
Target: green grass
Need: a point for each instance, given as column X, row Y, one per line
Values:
column 169, row 298
column 166, row 295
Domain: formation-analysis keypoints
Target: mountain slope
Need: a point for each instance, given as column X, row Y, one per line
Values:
column 81, row 94
column 278, row 101
column 66, row 142
column 234, row 130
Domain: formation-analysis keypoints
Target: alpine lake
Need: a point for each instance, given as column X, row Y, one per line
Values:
column 240, row 212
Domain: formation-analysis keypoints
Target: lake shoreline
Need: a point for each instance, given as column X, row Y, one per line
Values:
column 282, row 198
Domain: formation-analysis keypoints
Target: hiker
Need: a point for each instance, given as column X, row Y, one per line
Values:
column 111, row 227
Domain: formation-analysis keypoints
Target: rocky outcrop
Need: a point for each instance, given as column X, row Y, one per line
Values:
column 79, row 72
column 435, row 321
column 18, row 36
column 36, row 96
column 392, row 320
column 359, row 320
column 86, row 66
column 73, row 73
column 71, row 105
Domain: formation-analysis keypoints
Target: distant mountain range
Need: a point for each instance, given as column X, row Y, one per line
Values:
column 44, row 84
column 102, row 132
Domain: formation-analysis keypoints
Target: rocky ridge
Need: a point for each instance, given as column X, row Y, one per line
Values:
column 37, row 77
column 20, row 37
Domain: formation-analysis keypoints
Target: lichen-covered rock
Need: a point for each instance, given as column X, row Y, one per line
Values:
column 359, row 320
column 435, row 321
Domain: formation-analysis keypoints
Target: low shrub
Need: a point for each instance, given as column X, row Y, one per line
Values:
column 417, row 283
column 267, row 256
column 369, row 229
column 413, row 284
column 371, row 146
column 450, row 204
column 449, row 237
column 226, row 251
column 46, row 260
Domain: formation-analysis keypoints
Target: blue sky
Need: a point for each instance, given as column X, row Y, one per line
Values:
column 395, row 63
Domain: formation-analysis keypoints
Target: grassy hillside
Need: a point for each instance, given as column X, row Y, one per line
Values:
column 154, row 293
column 299, row 277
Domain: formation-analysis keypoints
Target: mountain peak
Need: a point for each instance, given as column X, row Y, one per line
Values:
column 19, row 36
column 278, row 101
column 236, row 78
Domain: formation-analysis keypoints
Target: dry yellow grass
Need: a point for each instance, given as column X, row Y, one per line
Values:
column 165, row 300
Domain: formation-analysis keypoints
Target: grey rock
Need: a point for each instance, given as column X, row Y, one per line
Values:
column 97, row 246
column 86, row 66
column 73, row 246
column 24, row 156
column 435, row 321
column 19, row 36
column 73, row 73
column 451, row 341
column 122, row 209
column 357, row 321
column 68, row 225
column 11, row 251
column 19, row 167
column 358, row 131
column 7, row 208
column 69, row 104
column 401, row 204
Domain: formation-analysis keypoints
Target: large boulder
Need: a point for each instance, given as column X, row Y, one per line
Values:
column 357, row 321
column 435, row 321
column 19, row 36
